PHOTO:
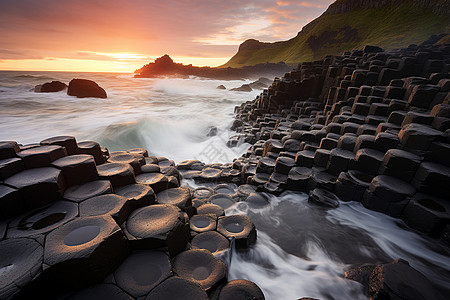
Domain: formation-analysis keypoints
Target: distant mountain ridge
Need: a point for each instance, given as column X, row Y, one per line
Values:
column 352, row 24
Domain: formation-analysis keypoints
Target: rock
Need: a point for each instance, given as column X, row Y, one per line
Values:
column 240, row 289
column 222, row 200
column 92, row 148
column 116, row 206
column 202, row 193
column 133, row 159
column 350, row 186
column 212, row 241
column 156, row 226
column 79, row 193
column 84, row 251
column 177, row 288
column 432, row 178
column 21, row 261
column 221, row 87
column 390, row 188
column 39, row 186
column 139, row 195
column 210, row 208
column 324, row 198
column 8, row 149
column 261, row 83
column 242, row 88
column 239, row 227
column 42, row 220
column 67, row 142
column 226, row 189
column 77, row 169
column 142, row 271
column 427, row 213
column 119, row 174
column 180, row 197
column 50, row 87
column 201, row 267
column 398, row 280
column 203, row 223
column 42, row 156
column 83, row 88
column 11, row 202
column 298, row 177
column 100, row 291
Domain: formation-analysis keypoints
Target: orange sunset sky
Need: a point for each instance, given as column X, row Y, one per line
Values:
column 121, row 35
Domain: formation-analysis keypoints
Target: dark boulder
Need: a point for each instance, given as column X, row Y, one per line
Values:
column 242, row 88
column 83, row 88
column 50, row 87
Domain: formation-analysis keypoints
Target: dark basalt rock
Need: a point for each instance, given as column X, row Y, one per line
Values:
column 390, row 188
column 203, row 222
column 77, row 169
column 112, row 205
column 11, row 202
column 142, row 271
column 119, row 174
column 242, row 88
column 202, row 193
column 177, row 288
column 139, row 195
column 10, row 166
column 92, row 148
column 201, row 267
column 50, row 87
column 8, row 149
column 226, row 188
column 88, row 190
column 221, row 87
column 43, row 156
column 83, row 88
column 257, row 200
column 101, row 291
column 67, row 142
column 136, row 160
column 42, row 220
column 212, row 241
column 20, row 262
column 238, row 227
column 157, row 226
column 180, row 197
column 240, row 289
column 323, row 198
column 398, row 280
column 222, row 200
column 210, row 208
column 84, row 251
column 39, row 186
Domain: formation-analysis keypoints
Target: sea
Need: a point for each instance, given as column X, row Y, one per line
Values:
column 302, row 250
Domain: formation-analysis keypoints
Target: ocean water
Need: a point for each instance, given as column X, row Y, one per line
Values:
column 169, row 117
column 302, row 250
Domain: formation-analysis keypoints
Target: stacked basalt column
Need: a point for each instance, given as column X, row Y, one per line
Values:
column 377, row 130
column 76, row 220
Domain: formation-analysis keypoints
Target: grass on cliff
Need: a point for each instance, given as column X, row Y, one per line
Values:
column 387, row 27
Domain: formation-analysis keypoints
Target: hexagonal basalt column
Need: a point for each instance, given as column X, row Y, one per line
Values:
column 157, row 181
column 20, row 262
column 239, row 227
column 42, row 220
column 84, row 251
column 10, row 166
column 240, row 289
column 203, row 223
column 92, row 148
column 180, row 197
column 119, row 174
column 210, row 208
column 11, row 203
column 42, row 156
column 157, row 226
column 100, row 291
column 140, row 195
column 112, row 205
column 67, row 142
column 177, row 288
column 142, row 271
column 38, row 186
column 88, row 190
column 222, row 200
column 8, row 149
column 212, row 241
column 134, row 159
column 201, row 267
column 77, row 169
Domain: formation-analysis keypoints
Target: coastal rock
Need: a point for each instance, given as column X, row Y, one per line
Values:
column 242, row 88
column 84, row 88
column 221, row 87
column 50, row 87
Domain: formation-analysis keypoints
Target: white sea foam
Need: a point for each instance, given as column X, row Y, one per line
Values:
column 170, row 117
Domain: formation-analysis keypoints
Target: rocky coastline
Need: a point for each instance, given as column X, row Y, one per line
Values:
column 369, row 126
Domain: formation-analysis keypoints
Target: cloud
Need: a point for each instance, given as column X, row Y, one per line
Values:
column 147, row 28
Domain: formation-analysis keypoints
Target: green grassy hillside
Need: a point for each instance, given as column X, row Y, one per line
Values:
column 389, row 26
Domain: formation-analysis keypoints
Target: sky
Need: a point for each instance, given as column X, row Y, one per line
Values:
column 123, row 35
